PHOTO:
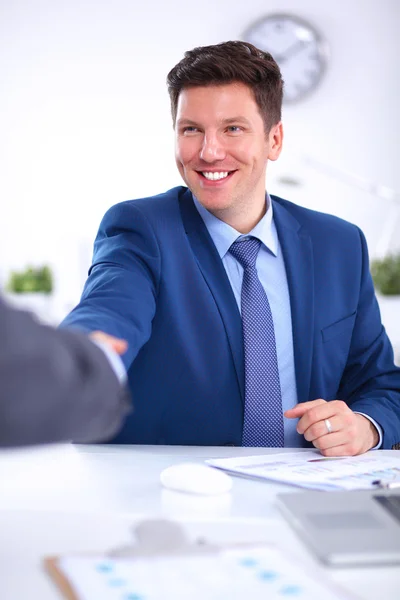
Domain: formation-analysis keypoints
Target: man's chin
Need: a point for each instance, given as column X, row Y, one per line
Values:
column 213, row 204
column 214, row 200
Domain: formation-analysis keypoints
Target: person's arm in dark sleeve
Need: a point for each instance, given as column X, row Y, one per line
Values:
column 55, row 385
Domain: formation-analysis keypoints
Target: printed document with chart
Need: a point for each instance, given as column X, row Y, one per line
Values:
column 310, row 469
column 258, row 573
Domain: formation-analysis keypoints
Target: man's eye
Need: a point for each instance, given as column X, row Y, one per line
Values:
column 189, row 129
column 234, row 129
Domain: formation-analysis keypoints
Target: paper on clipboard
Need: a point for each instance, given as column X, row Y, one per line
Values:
column 257, row 572
column 164, row 564
column 311, row 470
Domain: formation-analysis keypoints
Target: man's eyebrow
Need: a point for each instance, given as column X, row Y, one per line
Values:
column 238, row 119
column 228, row 121
column 186, row 122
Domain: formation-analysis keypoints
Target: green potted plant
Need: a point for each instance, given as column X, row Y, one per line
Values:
column 31, row 281
column 31, row 289
column 386, row 275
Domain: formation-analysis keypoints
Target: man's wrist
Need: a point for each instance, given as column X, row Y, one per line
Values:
column 372, row 437
column 114, row 359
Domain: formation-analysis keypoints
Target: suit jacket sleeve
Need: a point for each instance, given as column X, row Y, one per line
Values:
column 55, row 385
column 120, row 293
column 371, row 382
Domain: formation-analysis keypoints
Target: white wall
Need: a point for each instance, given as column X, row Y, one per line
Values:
column 84, row 114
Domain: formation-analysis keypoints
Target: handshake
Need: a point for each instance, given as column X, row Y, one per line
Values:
column 117, row 345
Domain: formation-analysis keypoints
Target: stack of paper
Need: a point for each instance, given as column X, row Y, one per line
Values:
column 312, row 470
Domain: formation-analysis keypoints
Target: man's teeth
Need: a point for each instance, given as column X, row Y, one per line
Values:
column 215, row 176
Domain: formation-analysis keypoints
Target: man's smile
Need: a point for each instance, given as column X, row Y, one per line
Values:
column 214, row 177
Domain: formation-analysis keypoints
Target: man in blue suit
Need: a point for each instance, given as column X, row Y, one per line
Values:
column 165, row 277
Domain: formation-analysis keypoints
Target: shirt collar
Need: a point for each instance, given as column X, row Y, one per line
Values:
column 223, row 235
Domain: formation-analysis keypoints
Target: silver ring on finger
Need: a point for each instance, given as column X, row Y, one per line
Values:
column 328, row 425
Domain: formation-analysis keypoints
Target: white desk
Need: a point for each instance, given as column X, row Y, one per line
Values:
column 87, row 498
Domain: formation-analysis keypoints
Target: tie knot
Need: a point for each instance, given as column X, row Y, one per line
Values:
column 246, row 251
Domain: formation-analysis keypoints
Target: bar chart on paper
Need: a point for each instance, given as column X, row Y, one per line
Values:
column 258, row 573
column 312, row 470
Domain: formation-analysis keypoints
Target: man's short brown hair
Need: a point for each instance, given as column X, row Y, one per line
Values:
column 231, row 62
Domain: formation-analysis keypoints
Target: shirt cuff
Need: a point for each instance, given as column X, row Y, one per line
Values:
column 378, row 428
column 115, row 361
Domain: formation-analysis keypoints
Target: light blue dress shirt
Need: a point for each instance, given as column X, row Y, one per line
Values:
column 114, row 359
column 272, row 274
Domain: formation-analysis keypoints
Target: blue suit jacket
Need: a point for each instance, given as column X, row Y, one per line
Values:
column 157, row 280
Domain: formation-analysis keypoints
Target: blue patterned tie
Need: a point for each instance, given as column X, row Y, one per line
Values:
column 263, row 417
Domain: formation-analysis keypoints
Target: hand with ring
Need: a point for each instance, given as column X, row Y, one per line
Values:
column 334, row 428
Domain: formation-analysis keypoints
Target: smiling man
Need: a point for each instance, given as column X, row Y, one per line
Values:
column 222, row 152
column 249, row 320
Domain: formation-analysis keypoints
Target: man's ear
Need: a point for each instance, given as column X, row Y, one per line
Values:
column 275, row 141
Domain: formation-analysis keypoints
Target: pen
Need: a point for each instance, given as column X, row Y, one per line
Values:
column 388, row 485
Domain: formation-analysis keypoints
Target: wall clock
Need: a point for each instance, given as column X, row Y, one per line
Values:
column 297, row 47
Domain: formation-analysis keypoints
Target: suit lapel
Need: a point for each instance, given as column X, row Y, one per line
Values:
column 217, row 280
column 298, row 257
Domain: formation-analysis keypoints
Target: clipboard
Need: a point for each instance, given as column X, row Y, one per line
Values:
column 163, row 542
column 156, row 537
column 51, row 565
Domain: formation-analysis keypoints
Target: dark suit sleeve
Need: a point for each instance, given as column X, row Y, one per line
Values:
column 55, row 385
column 371, row 381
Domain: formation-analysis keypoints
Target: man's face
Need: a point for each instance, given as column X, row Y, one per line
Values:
column 222, row 148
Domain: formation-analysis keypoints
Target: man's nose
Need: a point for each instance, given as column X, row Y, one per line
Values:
column 212, row 149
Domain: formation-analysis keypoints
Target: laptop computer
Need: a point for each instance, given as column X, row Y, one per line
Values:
column 347, row 528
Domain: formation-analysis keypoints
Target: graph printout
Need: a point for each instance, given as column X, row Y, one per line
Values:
column 310, row 469
column 258, row 573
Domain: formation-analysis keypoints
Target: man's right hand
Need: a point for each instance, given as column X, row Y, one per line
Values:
column 117, row 345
